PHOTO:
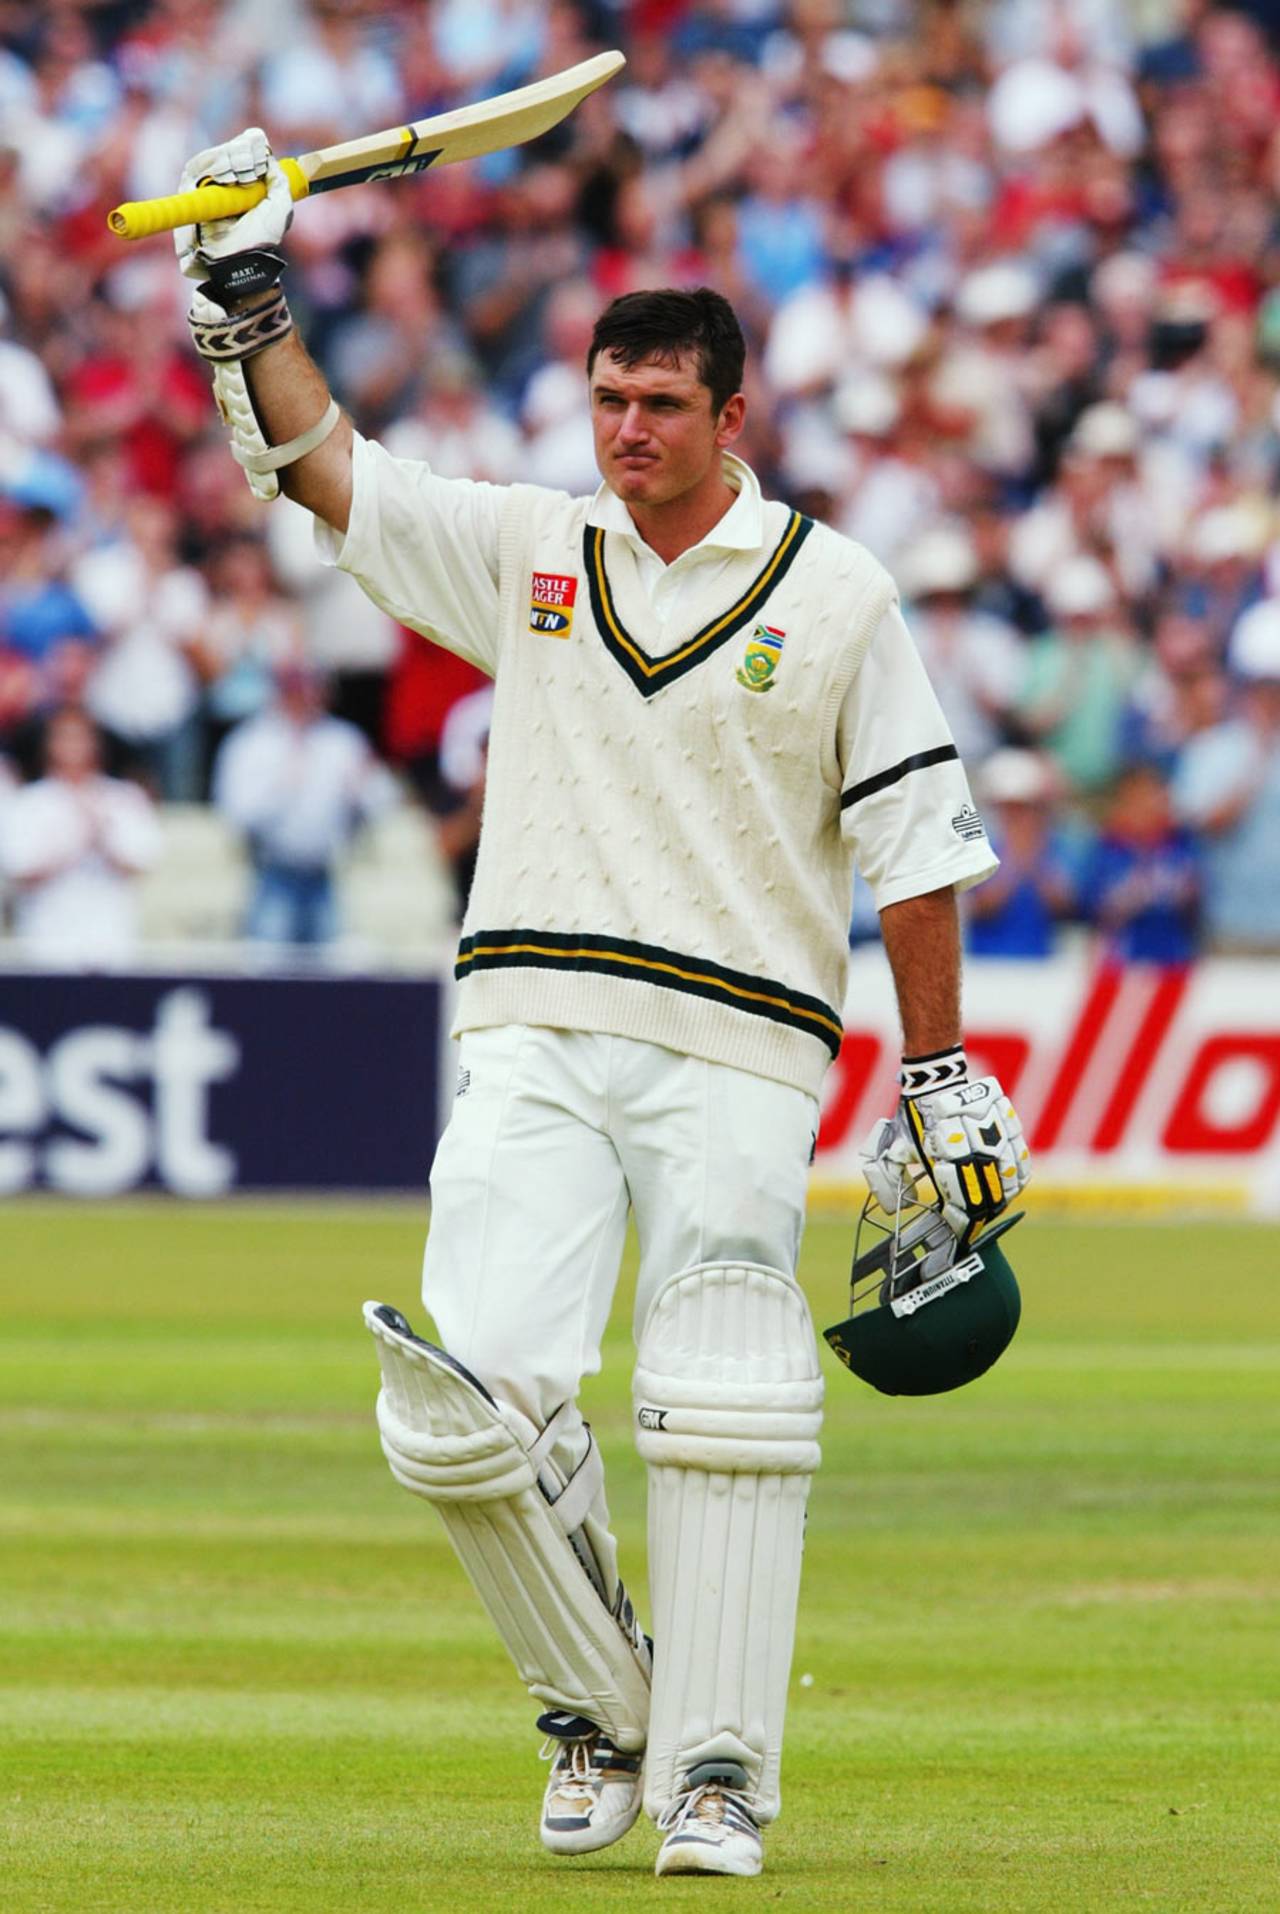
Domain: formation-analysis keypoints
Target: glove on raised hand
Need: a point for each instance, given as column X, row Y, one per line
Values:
column 204, row 250
column 229, row 259
column 966, row 1138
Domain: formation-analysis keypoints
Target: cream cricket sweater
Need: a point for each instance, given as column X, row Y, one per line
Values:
column 661, row 855
column 672, row 813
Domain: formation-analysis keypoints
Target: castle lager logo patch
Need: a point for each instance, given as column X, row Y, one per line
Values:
column 551, row 604
column 760, row 659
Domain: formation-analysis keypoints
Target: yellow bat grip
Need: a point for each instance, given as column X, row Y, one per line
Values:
column 139, row 218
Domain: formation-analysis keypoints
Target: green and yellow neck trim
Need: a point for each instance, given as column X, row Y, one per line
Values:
column 651, row 674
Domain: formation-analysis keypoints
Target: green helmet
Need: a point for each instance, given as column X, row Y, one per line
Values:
column 928, row 1311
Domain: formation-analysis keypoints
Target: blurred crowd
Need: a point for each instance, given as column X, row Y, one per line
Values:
column 1008, row 270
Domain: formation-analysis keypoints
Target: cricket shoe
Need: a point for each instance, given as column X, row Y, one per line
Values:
column 594, row 1791
column 710, row 1829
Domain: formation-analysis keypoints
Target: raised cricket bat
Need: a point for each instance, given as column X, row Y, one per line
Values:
column 488, row 125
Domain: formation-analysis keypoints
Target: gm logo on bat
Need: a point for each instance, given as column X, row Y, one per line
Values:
column 419, row 164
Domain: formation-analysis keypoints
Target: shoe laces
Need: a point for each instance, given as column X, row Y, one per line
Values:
column 577, row 1764
column 708, row 1806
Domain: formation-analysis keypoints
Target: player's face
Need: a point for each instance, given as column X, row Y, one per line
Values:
column 656, row 434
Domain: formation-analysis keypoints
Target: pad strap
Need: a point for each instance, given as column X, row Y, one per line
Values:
column 293, row 449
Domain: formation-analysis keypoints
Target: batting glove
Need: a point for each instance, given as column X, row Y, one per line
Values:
column 203, row 251
column 966, row 1138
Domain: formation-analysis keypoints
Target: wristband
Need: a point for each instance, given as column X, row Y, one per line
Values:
column 242, row 334
column 939, row 1070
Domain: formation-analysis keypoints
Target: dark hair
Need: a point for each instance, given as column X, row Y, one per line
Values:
column 666, row 324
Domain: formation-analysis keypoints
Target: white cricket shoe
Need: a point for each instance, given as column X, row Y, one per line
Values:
column 709, row 1830
column 594, row 1791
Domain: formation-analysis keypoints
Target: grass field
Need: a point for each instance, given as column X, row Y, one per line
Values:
column 239, row 1670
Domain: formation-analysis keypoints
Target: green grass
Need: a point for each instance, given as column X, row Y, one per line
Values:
column 239, row 1671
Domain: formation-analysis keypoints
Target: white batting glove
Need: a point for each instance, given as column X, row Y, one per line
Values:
column 889, row 1164
column 965, row 1138
column 238, row 162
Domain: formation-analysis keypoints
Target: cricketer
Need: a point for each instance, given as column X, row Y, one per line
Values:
column 708, row 711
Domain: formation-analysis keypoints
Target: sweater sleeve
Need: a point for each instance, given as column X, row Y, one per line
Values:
column 905, row 805
column 424, row 548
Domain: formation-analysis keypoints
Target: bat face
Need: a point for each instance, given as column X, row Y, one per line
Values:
column 487, row 126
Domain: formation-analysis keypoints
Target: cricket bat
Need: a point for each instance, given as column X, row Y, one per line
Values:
column 484, row 127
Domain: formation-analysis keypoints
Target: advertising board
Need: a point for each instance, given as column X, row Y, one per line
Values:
column 1136, row 1080
column 205, row 1085
column 1134, row 1085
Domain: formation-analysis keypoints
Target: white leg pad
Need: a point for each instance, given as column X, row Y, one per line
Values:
column 728, row 1398
column 521, row 1531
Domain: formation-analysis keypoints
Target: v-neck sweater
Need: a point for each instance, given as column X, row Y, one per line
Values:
column 661, row 855
column 671, row 810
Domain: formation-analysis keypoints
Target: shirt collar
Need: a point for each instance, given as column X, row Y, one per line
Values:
column 740, row 530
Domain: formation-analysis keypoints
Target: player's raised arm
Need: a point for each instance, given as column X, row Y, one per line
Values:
column 286, row 430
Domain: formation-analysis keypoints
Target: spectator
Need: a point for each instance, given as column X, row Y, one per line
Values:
column 1096, row 505
column 1064, row 371
column 1219, row 565
column 456, row 427
column 29, row 410
column 73, row 845
column 464, row 751
column 297, row 784
column 1016, row 912
column 560, row 450
column 378, row 357
column 348, row 639
column 986, row 290
column 896, row 495
column 249, row 630
column 1181, row 690
column 153, row 401
column 326, row 73
column 975, row 662
column 146, row 688
column 781, row 242
column 1080, row 676
column 1141, row 882
column 984, row 376
column 39, row 608
column 1228, row 789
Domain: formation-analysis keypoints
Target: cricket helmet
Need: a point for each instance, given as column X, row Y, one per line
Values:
column 928, row 1310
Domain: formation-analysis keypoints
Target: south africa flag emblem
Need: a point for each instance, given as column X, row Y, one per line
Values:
column 760, row 659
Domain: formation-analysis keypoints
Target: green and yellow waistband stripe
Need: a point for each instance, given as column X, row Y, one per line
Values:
column 650, row 964
column 651, row 674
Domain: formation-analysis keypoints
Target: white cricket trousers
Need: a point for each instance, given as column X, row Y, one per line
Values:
column 554, row 1134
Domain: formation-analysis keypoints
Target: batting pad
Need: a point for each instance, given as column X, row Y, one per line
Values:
column 522, row 1532
column 231, row 395
column 728, row 1399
